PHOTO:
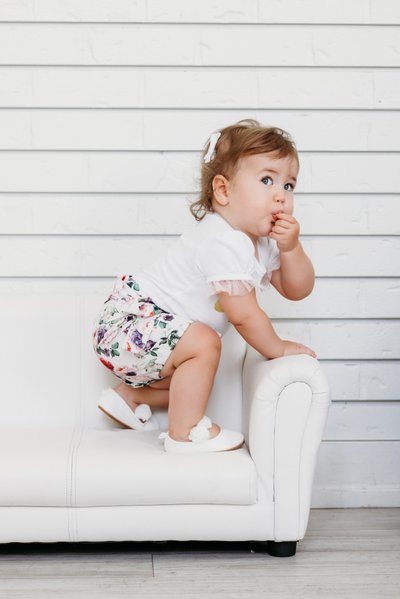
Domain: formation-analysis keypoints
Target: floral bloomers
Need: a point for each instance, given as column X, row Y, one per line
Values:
column 133, row 336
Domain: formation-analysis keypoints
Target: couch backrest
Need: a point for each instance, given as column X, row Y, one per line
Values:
column 50, row 374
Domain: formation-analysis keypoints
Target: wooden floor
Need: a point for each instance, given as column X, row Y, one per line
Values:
column 347, row 553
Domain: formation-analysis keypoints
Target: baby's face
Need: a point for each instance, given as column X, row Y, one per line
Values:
column 256, row 193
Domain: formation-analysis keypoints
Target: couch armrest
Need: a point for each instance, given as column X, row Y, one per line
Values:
column 285, row 408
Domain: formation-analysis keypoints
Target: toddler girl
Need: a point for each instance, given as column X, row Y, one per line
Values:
column 160, row 329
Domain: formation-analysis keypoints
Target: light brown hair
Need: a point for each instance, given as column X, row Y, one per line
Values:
column 243, row 138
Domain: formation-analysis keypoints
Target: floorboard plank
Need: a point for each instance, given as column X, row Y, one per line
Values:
column 346, row 553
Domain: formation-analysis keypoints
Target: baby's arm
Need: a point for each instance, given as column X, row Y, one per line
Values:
column 295, row 278
column 255, row 327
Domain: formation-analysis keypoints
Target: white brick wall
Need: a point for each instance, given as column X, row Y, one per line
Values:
column 104, row 107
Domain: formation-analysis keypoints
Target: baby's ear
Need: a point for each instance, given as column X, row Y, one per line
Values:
column 220, row 189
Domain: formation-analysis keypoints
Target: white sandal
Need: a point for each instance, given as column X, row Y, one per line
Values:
column 199, row 436
column 142, row 419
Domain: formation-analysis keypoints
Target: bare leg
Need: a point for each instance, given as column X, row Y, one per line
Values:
column 190, row 371
column 192, row 365
column 190, row 390
column 156, row 396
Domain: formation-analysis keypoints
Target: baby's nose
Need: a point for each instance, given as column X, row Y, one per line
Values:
column 279, row 188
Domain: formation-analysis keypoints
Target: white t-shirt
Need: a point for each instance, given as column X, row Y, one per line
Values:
column 210, row 257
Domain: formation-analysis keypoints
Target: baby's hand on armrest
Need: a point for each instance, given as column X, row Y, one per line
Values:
column 255, row 327
column 291, row 347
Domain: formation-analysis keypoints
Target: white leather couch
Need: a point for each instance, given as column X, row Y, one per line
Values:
column 70, row 473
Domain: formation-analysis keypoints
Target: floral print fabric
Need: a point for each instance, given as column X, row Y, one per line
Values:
column 133, row 336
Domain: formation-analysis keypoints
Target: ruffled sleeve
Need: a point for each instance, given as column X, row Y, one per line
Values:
column 231, row 287
column 227, row 262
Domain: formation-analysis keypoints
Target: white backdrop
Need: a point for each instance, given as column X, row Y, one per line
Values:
column 104, row 107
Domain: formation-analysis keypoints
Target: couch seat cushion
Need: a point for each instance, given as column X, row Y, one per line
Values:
column 97, row 467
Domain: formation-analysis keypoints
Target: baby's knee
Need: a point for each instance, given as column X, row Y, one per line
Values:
column 207, row 338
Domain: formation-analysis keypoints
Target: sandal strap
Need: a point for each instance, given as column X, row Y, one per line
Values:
column 197, row 433
column 201, row 432
column 143, row 412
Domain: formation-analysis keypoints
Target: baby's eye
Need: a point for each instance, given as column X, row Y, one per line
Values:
column 263, row 179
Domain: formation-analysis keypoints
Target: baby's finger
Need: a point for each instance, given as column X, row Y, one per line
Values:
column 307, row 350
column 278, row 228
column 285, row 217
column 282, row 223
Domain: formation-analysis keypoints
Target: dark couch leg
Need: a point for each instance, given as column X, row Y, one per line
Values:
column 282, row 549
column 275, row 548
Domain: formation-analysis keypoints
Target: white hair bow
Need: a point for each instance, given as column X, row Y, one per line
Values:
column 214, row 137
